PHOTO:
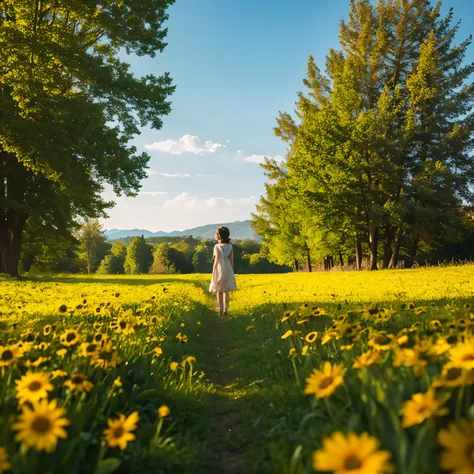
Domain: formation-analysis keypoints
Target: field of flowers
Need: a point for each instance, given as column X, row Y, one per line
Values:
column 349, row 373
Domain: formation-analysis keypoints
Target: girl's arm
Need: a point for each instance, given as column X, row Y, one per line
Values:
column 215, row 257
column 231, row 258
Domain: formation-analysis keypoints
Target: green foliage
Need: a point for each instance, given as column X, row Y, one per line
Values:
column 380, row 156
column 139, row 257
column 93, row 245
column 114, row 263
column 70, row 106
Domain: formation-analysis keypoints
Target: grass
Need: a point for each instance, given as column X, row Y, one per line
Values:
column 244, row 408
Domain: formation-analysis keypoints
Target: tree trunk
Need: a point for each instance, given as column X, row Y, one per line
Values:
column 341, row 259
column 295, row 265
column 387, row 251
column 308, row 261
column 11, row 229
column 373, row 243
column 396, row 249
column 27, row 261
column 358, row 254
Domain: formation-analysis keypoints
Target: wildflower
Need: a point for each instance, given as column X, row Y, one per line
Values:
column 304, row 350
column 423, row 406
column 118, row 382
column 408, row 358
column 311, row 337
column 344, row 454
column 70, row 338
column 158, row 351
column 381, row 341
column 174, row 366
column 454, row 377
column 324, row 382
column 462, row 355
column 318, row 312
column 287, row 316
column 366, row 359
column 163, row 411
column 41, row 427
column 292, row 352
column 458, row 441
column 58, row 373
column 287, row 334
column 435, row 325
column 119, row 432
column 61, row 353
column 33, row 387
column 347, row 347
column 5, row 465
column 79, row 383
column 8, row 354
column 198, row 323
column 181, row 325
column 89, row 349
column 328, row 336
column 47, row 330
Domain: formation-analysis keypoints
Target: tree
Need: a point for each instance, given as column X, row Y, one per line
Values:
column 202, row 258
column 70, row 106
column 382, row 147
column 93, row 244
column 167, row 258
column 114, row 263
column 139, row 256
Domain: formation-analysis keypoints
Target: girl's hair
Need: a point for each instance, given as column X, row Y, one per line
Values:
column 223, row 234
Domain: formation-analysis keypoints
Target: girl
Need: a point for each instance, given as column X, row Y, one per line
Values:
column 223, row 278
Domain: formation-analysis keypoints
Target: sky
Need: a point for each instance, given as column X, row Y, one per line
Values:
column 235, row 65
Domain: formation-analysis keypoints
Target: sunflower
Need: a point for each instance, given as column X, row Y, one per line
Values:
column 366, row 359
column 311, row 337
column 454, row 377
column 89, row 349
column 33, row 387
column 287, row 316
column 79, row 383
column 381, row 341
column 287, row 334
column 124, row 327
column 119, row 432
column 58, row 373
column 458, row 441
column 70, row 337
column 163, row 411
column 462, row 355
column 47, row 330
column 436, row 325
column 174, row 366
column 8, row 355
column 4, row 462
column 423, row 406
column 304, row 350
column 352, row 453
column 324, row 382
column 118, row 382
column 40, row 427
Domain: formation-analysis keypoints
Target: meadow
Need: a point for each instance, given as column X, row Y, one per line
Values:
column 343, row 372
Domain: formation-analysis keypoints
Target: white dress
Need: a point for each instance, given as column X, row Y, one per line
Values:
column 223, row 278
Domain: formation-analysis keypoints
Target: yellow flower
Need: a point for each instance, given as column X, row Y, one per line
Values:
column 435, row 325
column 423, row 406
column 181, row 325
column 58, row 373
column 61, row 353
column 198, row 323
column 311, row 337
column 79, row 383
column 287, row 316
column 158, row 351
column 174, row 366
column 40, row 427
column 33, row 387
column 5, row 465
column 70, row 337
column 462, row 355
column 182, row 337
column 117, row 382
column 292, row 352
column 454, row 377
column 458, row 441
column 47, row 330
column 163, row 411
column 249, row 328
column 119, row 432
column 366, row 359
column 352, row 453
column 287, row 334
column 8, row 354
column 381, row 341
column 324, row 382
column 304, row 351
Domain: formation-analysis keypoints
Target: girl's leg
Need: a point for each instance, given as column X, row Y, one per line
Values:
column 220, row 301
column 226, row 301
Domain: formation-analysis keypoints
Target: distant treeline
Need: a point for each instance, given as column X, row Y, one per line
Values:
column 91, row 252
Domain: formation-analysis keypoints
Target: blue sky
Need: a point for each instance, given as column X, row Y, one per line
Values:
column 235, row 65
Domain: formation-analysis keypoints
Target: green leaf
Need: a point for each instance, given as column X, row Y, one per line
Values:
column 107, row 466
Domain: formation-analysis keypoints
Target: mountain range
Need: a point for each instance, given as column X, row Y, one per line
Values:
column 238, row 230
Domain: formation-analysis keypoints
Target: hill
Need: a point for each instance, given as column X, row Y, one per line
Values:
column 238, row 230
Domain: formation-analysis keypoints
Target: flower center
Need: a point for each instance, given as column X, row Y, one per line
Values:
column 123, row 324
column 70, row 337
column 77, row 379
column 381, row 340
column 41, row 424
column 91, row 348
column 34, row 386
column 352, row 463
column 453, row 374
column 467, row 357
column 326, row 382
column 7, row 355
column 118, row 432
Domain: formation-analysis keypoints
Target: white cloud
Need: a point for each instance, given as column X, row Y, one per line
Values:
column 228, row 141
column 175, row 175
column 206, row 175
column 185, row 201
column 261, row 158
column 185, row 144
column 153, row 193
column 240, row 151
